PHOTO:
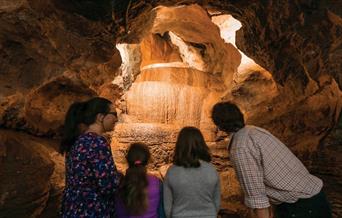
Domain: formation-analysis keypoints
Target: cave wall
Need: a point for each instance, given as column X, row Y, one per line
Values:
column 49, row 57
column 166, row 95
column 55, row 52
column 32, row 175
column 306, row 32
column 48, row 51
column 325, row 163
column 298, row 114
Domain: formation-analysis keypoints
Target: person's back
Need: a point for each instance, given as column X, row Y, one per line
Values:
column 90, row 186
column 91, row 175
column 192, row 185
column 268, row 172
column 286, row 179
column 139, row 193
column 195, row 191
column 153, row 201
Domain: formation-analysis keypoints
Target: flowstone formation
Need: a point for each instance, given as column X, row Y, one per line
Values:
column 164, row 64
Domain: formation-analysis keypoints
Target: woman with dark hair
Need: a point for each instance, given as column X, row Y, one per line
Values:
column 192, row 185
column 91, row 175
column 139, row 193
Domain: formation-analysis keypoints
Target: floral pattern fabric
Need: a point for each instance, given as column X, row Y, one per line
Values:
column 91, row 179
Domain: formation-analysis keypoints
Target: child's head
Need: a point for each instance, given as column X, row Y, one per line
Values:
column 134, row 184
column 190, row 148
column 138, row 155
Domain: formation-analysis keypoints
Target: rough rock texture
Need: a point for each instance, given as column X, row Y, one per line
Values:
column 174, row 87
column 52, row 53
column 41, row 41
column 57, row 181
column 25, row 170
column 45, row 108
column 55, row 52
column 180, row 78
column 166, row 95
column 200, row 46
column 130, row 67
column 306, row 32
column 289, row 111
column 326, row 162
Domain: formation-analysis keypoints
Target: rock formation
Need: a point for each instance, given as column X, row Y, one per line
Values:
column 164, row 64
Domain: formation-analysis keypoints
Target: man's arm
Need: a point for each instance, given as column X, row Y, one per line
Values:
column 246, row 159
column 262, row 212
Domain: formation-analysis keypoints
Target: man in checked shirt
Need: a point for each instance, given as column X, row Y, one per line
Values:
column 269, row 173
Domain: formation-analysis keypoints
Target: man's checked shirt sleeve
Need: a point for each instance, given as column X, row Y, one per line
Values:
column 250, row 174
column 268, row 171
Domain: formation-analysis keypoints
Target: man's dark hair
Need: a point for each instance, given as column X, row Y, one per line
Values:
column 190, row 148
column 227, row 117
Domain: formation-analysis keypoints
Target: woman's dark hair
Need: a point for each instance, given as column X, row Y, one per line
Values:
column 81, row 113
column 190, row 148
column 133, row 186
column 227, row 117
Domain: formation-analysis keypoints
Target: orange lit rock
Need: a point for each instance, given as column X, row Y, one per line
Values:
column 302, row 124
column 130, row 67
column 182, row 61
column 41, row 39
column 231, row 193
column 165, row 53
column 202, row 39
column 45, row 107
column 12, row 111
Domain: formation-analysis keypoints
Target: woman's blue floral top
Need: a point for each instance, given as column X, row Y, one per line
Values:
column 91, row 179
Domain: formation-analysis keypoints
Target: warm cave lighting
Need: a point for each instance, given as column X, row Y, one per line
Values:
column 228, row 26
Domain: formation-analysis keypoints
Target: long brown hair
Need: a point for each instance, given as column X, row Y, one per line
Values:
column 190, row 148
column 133, row 186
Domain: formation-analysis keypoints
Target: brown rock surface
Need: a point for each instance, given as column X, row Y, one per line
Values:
column 307, row 33
column 40, row 40
column 326, row 162
column 46, row 106
column 53, row 52
column 25, row 172
column 177, row 86
column 296, row 112
column 57, row 181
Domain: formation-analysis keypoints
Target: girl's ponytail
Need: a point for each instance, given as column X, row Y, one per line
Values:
column 134, row 184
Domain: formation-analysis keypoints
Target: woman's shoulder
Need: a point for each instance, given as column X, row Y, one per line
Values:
column 207, row 166
column 174, row 169
column 92, row 137
column 91, row 141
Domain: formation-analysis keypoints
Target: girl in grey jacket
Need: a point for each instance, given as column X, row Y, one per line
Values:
column 192, row 185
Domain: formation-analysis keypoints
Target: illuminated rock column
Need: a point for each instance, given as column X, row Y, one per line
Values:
column 166, row 96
